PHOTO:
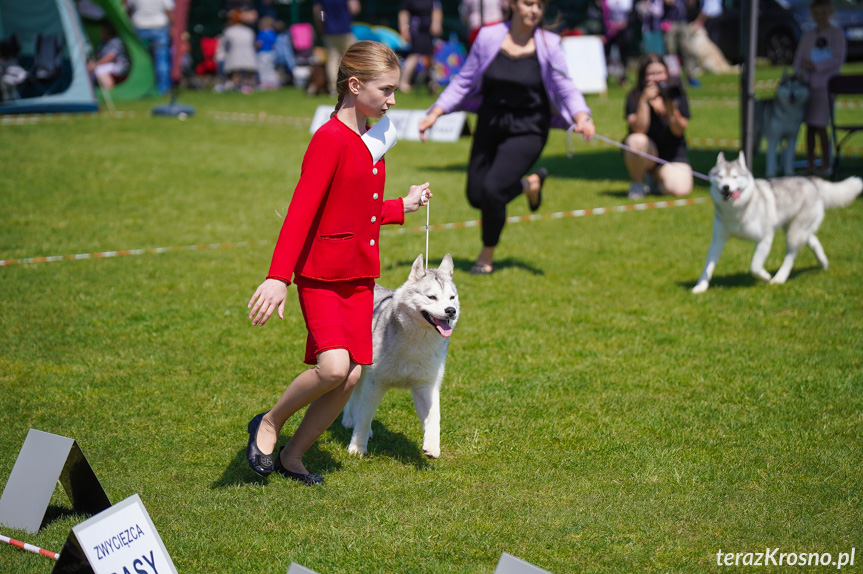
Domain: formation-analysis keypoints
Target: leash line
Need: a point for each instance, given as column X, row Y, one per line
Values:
column 570, row 150
column 440, row 226
column 428, row 209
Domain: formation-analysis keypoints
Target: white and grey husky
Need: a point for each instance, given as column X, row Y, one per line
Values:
column 778, row 120
column 411, row 329
column 755, row 209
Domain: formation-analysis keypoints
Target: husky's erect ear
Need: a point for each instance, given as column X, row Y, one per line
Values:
column 418, row 271
column 720, row 158
column 741, row 159
column 446, row 265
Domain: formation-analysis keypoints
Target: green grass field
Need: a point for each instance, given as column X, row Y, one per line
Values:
column 597, row 416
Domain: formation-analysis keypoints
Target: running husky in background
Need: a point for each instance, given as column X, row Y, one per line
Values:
column 779, row 120
column 411, row 330
column 754, row 209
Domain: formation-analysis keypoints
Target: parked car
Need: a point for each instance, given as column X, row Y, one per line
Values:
column 780, row 25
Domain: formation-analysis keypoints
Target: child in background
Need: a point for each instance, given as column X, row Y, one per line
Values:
column 265, row 42
column 238, row 45
column 819, row 57
column 329, row 246
column 112, row 61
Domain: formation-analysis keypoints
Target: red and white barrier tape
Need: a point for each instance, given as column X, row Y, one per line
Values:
column 385, row 231
column 30, row 547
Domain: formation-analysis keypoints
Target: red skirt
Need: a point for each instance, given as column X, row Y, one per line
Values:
column 338, row 316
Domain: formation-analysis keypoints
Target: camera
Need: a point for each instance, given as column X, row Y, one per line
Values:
column 669, row 91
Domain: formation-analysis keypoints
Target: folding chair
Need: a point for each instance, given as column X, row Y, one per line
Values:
column 842, row 85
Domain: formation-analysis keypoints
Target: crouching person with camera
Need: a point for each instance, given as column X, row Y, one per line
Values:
column 657, row 113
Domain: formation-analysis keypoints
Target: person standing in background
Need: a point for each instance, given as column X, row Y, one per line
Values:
column 152, row 21
column 819, row 57
column 333, row 19
column 238, row 44
column 478, row 13
column 618, row 36
column 265, row 43
column 420, row 21
column 675, row 25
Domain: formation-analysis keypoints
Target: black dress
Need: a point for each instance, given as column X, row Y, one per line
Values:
column 420, row 25
column 512, row 127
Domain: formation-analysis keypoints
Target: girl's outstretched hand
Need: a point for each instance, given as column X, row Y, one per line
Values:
column 417, row 196
column 270, row 296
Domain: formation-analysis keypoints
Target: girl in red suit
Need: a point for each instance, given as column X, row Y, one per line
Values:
column 329, row 244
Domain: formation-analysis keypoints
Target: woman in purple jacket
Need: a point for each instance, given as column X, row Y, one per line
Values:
column 515, row 79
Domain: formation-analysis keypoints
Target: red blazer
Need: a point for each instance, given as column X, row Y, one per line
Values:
column 334, row 220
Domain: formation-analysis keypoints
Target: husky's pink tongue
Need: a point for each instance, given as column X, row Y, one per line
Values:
column 443, row 327
column 735, row 195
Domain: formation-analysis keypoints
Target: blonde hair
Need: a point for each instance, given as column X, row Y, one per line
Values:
column 365, row 61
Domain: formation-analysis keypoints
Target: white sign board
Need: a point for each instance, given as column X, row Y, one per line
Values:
column 322, row 116
column 585, row 60
column 123, row 540
column 447, row 128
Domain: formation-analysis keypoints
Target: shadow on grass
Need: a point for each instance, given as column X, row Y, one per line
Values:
column 238, row 471
column 54, row 513
column 464, row 264
column 384, row 443
column 740, row 280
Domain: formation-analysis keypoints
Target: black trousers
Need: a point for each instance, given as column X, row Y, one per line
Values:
column 504, row 148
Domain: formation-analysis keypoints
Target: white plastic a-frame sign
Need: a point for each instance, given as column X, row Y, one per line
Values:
column 44, row 460
column 509, row 564
column 120, row 540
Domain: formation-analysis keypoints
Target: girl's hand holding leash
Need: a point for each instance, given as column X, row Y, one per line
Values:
column 270, row 295
column 417, row 197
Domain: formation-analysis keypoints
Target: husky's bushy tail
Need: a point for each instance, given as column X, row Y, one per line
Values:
column 840, row 193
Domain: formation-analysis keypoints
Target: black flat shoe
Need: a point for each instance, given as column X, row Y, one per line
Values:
column 261, row 463
column 307, row 479
column 542, row 173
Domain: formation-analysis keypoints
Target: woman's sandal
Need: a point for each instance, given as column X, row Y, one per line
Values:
column 482, row 269
column 542, row 173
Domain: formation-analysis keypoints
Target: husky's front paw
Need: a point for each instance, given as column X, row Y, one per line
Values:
column 357, row 450
column 761, row 274
column 431, row 450
column 700, row 287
